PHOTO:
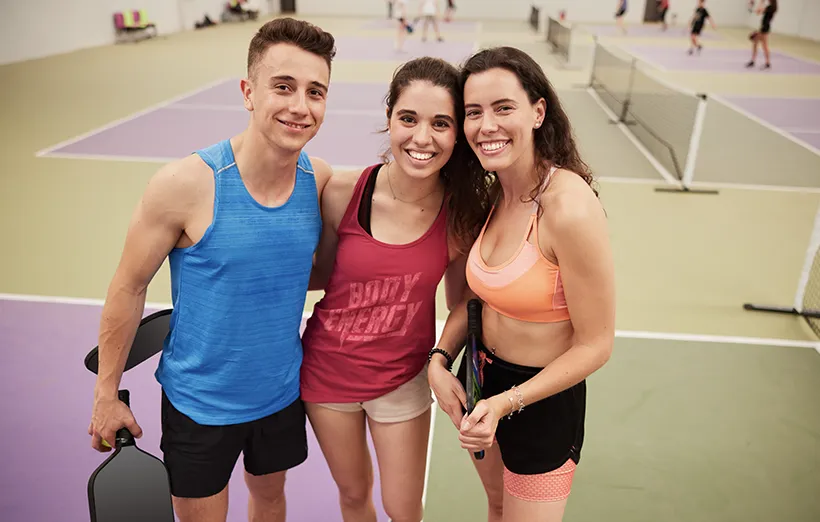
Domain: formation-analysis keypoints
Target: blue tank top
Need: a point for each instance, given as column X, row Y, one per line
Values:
column 233, row 353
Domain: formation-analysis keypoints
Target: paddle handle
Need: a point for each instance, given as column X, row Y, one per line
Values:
column 124, row 437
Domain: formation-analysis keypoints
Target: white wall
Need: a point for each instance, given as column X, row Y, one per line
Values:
column 810, row 20
column 593, row 11
column 37, row 28
column 465, row 9
column 794, row 18
column 725, row 13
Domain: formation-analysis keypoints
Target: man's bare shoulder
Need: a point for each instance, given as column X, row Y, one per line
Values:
column 179, row 186
column 337, row 193
column 344, row 179
column 186, row 178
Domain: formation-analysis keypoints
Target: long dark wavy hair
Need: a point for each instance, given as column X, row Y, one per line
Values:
column 553, row 142
column 466, row 183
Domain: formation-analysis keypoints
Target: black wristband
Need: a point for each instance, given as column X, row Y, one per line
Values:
column 444, row 353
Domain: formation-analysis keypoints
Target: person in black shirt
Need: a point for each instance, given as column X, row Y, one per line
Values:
column 697, row 22
column 762, row 35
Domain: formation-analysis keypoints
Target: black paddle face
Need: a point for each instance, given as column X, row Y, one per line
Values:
column 130, row 486
column 147, row 341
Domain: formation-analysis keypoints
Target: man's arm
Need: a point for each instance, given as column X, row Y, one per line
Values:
column 322, row 172
column 156, row 226
column 335, row 197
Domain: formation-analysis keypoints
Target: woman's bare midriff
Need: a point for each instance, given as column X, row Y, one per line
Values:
column 522, row 342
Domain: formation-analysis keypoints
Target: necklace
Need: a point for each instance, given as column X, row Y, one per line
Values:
column 389, row 182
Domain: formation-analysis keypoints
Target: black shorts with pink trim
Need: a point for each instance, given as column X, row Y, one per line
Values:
column 546, row 434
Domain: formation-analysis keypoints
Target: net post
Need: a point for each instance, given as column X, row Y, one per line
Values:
column 692, row 155
column 808, row 261
column 798, row 307
column 694, row 142
column 628, row 98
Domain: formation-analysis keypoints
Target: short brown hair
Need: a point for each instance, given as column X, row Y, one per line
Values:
column 295, row 32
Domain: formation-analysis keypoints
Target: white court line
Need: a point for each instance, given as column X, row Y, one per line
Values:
column 240, row 108
column 133, row 116
column 778, row 98
column 82, row 301
column 626, row 181
column 624, row 334
column 722, row 339
column 439, row 328
column 110, row 157
column 764, row 123
column 743, row 186
column 710, row 185
column 801, row 130
column 665, row 174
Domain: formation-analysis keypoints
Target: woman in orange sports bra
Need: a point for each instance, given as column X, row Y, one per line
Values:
column 543, row 269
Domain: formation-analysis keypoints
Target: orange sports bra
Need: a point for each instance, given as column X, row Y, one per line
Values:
column 527, row 286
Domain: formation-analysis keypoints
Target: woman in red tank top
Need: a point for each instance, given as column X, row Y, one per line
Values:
column 391, row 234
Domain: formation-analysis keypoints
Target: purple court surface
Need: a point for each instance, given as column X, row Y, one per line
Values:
column 455, row 26
column 720, row 60
column 46, row 397
column 350, row 134
column 799, row 117
column 648, row 31
column 352, row 48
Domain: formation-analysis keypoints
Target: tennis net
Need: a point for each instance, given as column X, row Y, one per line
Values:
column 807, row 298
column 559, row 36
column 665, row 119
column 535, row 17
column 611, row 79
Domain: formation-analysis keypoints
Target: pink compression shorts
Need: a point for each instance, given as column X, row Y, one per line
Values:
column 545, row 487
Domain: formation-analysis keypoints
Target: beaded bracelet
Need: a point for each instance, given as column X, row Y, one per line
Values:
column 444, row 353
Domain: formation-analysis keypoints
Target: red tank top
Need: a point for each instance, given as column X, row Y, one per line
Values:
column 373, row 328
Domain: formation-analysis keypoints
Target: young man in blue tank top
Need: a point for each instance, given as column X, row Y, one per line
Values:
column 239, row 222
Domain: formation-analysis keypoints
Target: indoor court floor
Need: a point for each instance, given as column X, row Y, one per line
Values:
column 705, row 411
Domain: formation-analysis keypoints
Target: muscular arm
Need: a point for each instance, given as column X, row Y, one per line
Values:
column 335, row 196
column 157, row 224
column 155, row 227
column 322, row 172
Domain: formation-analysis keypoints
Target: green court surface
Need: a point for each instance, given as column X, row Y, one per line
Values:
column 706, row 411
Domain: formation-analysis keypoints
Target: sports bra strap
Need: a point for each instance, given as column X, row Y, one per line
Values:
column 543, row 187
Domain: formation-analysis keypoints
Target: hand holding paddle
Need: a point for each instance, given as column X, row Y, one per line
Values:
column 477, row 430
column 110, row 415
column 449, row 392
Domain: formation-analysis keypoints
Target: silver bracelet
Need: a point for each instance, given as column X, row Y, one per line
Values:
column 520, row 398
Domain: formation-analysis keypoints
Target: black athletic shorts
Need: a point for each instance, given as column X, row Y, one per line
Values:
column 546, row 433
column 766, row 22
column 200, row 459
column 697, row 28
